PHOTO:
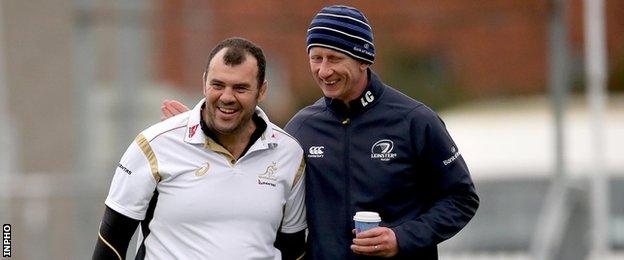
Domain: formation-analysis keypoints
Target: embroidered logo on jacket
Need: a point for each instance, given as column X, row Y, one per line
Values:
column 367, row 98
column 269, row 177
column 453, row 157
column 382, row 150
column 316, row 151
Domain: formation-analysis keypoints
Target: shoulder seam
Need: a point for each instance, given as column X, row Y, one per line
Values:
column 164, row 132
column 414, row 108
column 284, row 132
column 166, row 126
column 294, row 139
column 308, row 117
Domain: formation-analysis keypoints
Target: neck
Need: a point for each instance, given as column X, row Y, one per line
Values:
column 237, row 141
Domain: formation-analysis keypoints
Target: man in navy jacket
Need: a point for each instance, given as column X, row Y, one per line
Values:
column 371, row 148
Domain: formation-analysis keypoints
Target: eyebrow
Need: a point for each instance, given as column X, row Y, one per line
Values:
column 216, row 81
column 242, row 85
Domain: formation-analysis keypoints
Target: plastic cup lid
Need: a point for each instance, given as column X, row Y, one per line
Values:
column 367, row 216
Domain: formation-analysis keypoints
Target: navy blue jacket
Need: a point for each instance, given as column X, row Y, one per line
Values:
column 387, row 153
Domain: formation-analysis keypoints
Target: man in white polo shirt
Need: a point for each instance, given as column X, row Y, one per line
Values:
column 217, row 182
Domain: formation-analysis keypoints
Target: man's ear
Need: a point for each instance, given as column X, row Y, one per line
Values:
column 364, row 66
column 204, row 83
column 262, row 90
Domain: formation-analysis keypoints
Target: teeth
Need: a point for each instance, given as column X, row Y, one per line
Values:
column 226, row 110
column 330, row 82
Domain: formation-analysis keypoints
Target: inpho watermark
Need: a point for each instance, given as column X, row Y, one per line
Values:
column 6, row 240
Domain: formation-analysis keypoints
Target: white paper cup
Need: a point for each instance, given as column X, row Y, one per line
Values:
column 365, row 220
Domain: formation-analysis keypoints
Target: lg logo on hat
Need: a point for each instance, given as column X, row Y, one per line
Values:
column 316, row 151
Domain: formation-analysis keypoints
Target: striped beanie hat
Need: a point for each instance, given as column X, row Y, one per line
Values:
column 344, row 29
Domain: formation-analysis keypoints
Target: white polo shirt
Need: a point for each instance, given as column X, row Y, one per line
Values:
column 210, row 206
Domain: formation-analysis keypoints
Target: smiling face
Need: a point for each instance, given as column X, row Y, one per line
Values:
column 338, row 75
column 232, row 93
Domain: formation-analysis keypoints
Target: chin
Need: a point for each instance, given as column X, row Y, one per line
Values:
column 226, row 128
column 331, row 94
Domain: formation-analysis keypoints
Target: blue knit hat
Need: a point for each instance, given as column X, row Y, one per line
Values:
column 344, row 29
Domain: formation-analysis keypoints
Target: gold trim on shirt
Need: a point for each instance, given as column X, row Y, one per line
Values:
column 149, row 153
column 299, row 173
column 216, row 147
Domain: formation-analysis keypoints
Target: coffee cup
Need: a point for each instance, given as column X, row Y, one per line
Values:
column 365, row 220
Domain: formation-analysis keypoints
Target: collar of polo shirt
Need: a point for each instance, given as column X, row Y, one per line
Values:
column 195, row 134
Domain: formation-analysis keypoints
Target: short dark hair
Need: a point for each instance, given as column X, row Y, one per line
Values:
column 237, row 50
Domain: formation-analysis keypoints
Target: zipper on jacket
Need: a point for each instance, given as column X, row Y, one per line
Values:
column 346, row 122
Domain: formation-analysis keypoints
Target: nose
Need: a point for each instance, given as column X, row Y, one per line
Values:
column 227, row 96
column 325, row 70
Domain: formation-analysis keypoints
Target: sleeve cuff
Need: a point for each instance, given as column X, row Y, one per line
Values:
column 124, row 211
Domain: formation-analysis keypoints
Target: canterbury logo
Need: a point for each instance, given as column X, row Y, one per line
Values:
column 316, row 151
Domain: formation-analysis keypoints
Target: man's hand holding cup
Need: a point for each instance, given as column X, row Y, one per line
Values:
column 370, row 238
